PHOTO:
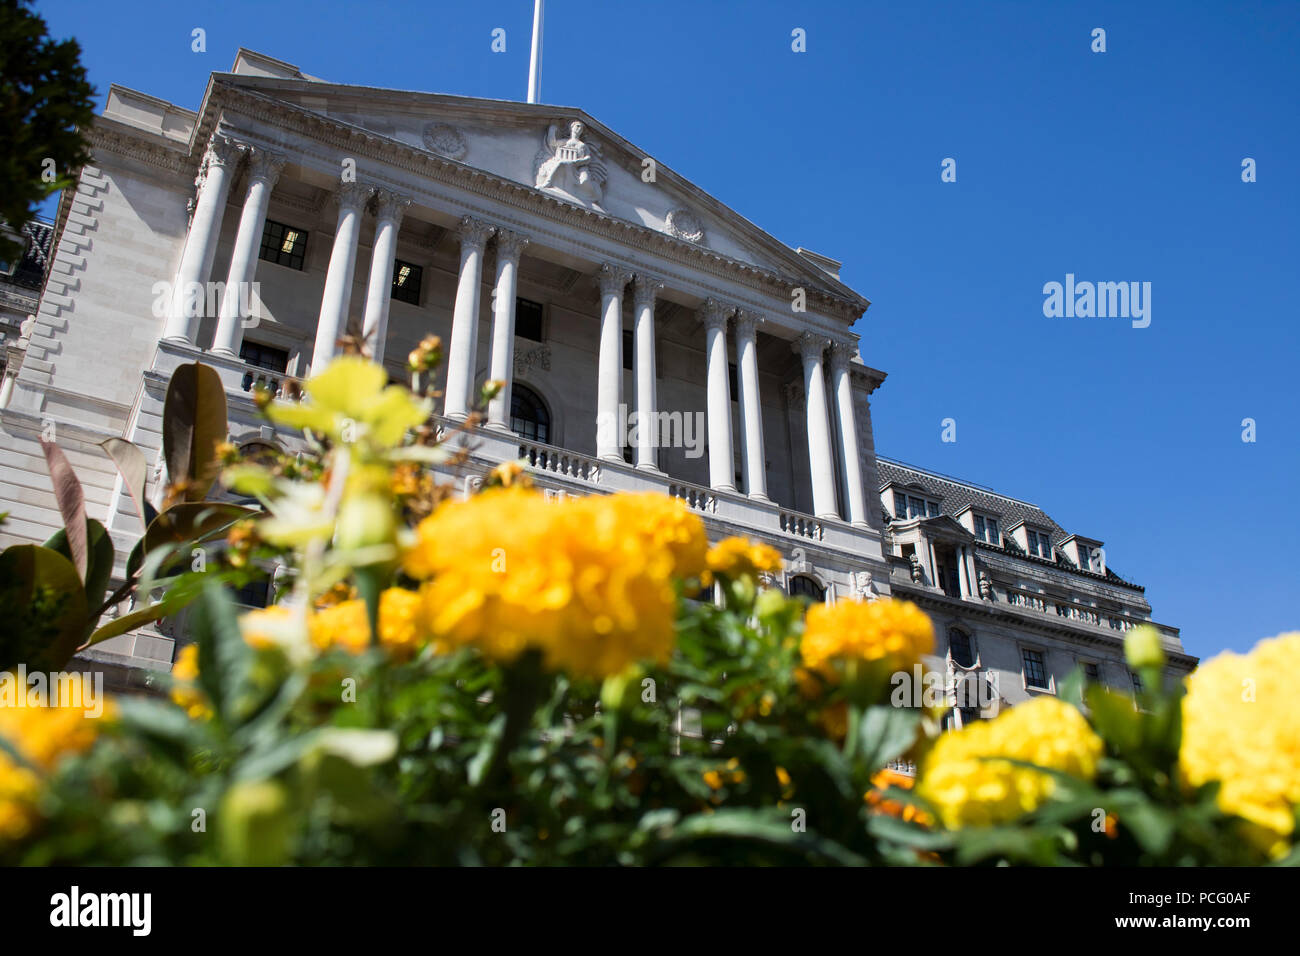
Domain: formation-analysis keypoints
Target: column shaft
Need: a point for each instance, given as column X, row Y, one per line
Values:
column 821, row 458
column 389, row 209
column 510, row 247
column 722, row 466
column 751, row 408
column 643, row 347
column 263, row 171
column 213, row 182
column 464, row 322
column 609, row 376
column 850, row 462
column 337, row 297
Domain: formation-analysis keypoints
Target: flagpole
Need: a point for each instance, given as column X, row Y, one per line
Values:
column 535, row 63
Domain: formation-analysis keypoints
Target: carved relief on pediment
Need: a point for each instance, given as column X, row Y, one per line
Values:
column 684, row 224
column 571, row 164
column 445, row 140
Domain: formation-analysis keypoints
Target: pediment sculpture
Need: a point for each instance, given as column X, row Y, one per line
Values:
column 573, row 165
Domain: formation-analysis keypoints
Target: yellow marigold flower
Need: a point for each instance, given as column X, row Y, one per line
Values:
column 345, row 625
column 589, row 582
column 736, row 556
column 187, row 695
column 1241, row 726
column 894, row 633
column 264, row 627
column 43, row 736
column 713, row 779
column 969, row 790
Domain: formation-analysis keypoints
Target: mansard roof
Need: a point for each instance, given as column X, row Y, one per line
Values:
column 957, row 496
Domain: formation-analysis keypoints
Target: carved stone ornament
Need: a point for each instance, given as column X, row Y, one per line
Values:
column 572, row 165
column 917, row 571
column 684, row 224
column 864, row 588
column 446, row 141
column 535, row 358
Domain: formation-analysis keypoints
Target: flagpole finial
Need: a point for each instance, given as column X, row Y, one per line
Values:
column 535, row 63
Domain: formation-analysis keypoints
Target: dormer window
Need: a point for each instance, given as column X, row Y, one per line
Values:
column 912, row 506
column 986, row 529
column 1040, row 543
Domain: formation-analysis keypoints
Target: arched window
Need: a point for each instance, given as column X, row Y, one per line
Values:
column 961, row 647
column 803, row 584
column 529, row 417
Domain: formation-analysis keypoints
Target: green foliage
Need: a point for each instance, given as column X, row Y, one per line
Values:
column 45, row 101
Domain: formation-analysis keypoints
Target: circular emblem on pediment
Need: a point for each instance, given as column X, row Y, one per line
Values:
column 445, row 141
column 684, row 224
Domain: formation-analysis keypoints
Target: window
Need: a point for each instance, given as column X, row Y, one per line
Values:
column 254, row 593
column 528, row 319
column 283, row 245
column 920, row 507
column 900, row 505
column 959, row 648
column 264, row 356
column 1039, row 543
column 1138, row 686
column 933, row 508
column 1035, row 670
column 1091, row 672
column 528, row 415
column 805, row 585
column 406, row 282
column 986, row 529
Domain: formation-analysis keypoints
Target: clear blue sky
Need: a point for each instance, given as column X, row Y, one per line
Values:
column 1122, row 166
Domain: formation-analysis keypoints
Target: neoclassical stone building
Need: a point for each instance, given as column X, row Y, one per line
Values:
column 650, row 338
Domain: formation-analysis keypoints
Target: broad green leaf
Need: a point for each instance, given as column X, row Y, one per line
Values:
column 194, row 423
column 885, row 733
column 43, row 607
column 99, row 564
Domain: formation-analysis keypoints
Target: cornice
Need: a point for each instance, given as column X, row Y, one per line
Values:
column 113, row 137
column 422, row 162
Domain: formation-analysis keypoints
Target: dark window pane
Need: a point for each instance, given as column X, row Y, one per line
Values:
column 283, row 245
column 1035, row 671
column 959, row 648
column 528, row 415
column 1092, row 673
column 264, row 356
column 627, row 349
column 803, row 584
column 528, row 319
column 406, row 282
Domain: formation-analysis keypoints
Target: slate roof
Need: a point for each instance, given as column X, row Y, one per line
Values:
column 30, row 273
column 954, row 495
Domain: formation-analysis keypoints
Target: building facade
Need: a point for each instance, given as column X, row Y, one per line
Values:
column 650, row 338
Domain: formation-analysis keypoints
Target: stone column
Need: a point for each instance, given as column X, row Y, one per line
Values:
column 821, row 459
column 474, row 235
column 213, row 184
column 722, row 463
column 510, row 246
column 751, row 409
column 389, row 209
column 352, row 198
column 643, row 347
column 609, row 379
column 263, row 171
column 850, row 463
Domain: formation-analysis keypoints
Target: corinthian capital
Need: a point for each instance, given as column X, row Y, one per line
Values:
column 612, row 278
column 511, row 245
column 474, row 233
column 810, row 345
column 264, row 165
column 391, row 206
column 351, row 197
column 843, row 352
column 746, row 323
column 644, row 289
column 222, row 151
column 714, row 314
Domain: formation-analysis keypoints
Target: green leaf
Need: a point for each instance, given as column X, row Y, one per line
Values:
column 769, row 827
column 137, row 618
column 194, row 423
column 99, row 564
column 885, row 733
column 43, row 607
column 225, row 660
column 72, row 504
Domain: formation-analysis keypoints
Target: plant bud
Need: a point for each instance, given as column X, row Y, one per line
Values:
column 1143, row 648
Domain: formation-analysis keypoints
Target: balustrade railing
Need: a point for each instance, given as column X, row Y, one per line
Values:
column 556, row 461
column 791, row 522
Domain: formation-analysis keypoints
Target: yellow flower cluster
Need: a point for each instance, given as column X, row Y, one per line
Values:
column 186, row 694
column 894, row 634
column 589, row 582
column 967, row 789
column 344, row 625
column 1241, row 726
column 736, row 556
column 43, row 736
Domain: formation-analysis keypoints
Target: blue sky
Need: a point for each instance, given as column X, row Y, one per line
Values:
column 1115, row 166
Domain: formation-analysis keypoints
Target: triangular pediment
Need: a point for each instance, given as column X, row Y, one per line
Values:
column 560, row 151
